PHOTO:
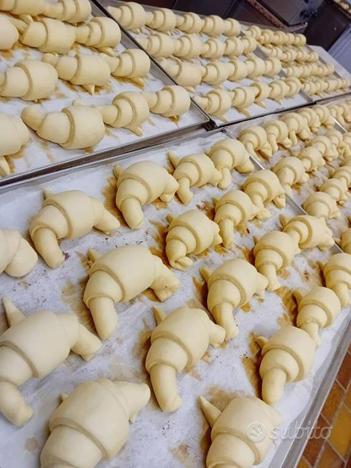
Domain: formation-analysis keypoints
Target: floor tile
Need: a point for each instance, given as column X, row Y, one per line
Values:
column 329, row 458
column 333, row 402
column 340, row 437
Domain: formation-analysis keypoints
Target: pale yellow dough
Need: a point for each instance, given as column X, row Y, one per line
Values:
column 345, row 241
column 343, row 173
column 175, row 348
column 100, row 32
column 190, row 233
column 140, row 184
column 170, row 101
column 311, row 158
column 17, row 257
column 190, row 22
column 162, row 19
column 234, row 440
column 120, row 275
column 69, row 215
column 92, row 423
column 32, row 347
column 322, row 205
column 231, row 286
column 308, row 231
column 287, row 357
column 216, row 102
column 13, row 136
column 277, row 134
column 290, row 171
column 255, row 139
column 8, row 34
column 131, row 15
column 337, row 274
column 336, row 188
column 71, row 11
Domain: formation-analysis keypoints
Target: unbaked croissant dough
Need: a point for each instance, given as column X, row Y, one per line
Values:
column 322, row 205
column 255, row 140
column 75, row 127
column 162, row 19
column 23, row 7
column 212, row 49
column 215, row 73
column 336, row 188
column 190, row 22
column 128, row 109
column 298, row 127
column 256, row 67
column 273, row 252
column 243, row 97
column 71, row 11
column 311, row 158
column 324, row 115
column 262, row 92
column 92, row 423
column 279, row 90
column 213, row 25
column 17, row 257
column 343, row 173
column 216, row 102
column 239, row 70
column 120, row 275
column 317, row 309
column 232, row 443
column 100, row 32
column 184, row 73
column 325, row 146
column 190, row 233
column 140, row 184
column 346, row 147
column 131, row 63
column 158, row 45
column 29, row 80
column 264, row 187
column 234, row 209
column 13, row 136
column 287, row 357
column 170, row 101
column 194, row 170
column 231, row 286
column 308, row 231
column 34, row 346
column 277, row 134
column 174, row 348
column 71, row 214
column 337, row 274
column 88, row 71
column 8, row 33
column 234, row 47
column 312, row 118
column 190, row 46
column 345, row 241
column 130, row 15
column 229, row 154
column 290, row 171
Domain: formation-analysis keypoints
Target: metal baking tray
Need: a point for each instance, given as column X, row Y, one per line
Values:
column 40, row 155
column 233, row 115
column 182, row 438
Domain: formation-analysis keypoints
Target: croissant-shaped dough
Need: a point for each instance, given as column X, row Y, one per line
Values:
column 140, row 184
column 317, row 309
column 277, row 134
column 170, row 101
column 8, row 34
column 255, row 139
column 249, row 44
column 234, row 47
column 23, row 7
column 74, row 127
column 273, row 252
column 174, row 349
column 162, row 19
column 184, row 73
column 290, row 171
column 70, row 215
column 188, row 46
column 345, row 241
column 324, row 115
column 294, row 86
column 308, row 231
column 216, row 72
column 298, row 127
column 279, row 89
column 337, row 274
column 127, row 110
column 311, row 158
column 17, row 257
column 213, row 49
column 13, row 136
column 34, row 346
column 213, row 25
column 190, row 233
column 84, row 70
column 131, row 15
column 216, row 102
column 336, row 137
column 262, row 91
column 256, row 67
column 189, row 22
column 239, row 70
column 29, row 80
column 233, row 209
column 346, row 147
column 273, row 66
column 343, row 173
column 48, row 35
column 71, row 11
column 312, row 117
column 158, row 45
column 231, row 286
column 119, row 276
column 229, row 154
column 336, row 188
column 232, row 443
column 194, row 170
column 264, row 187
column 132, row 63
column 287, row 357
column 325, row 146
column 99, row 32
column 232, row 27
column 321, row 205
column 244, row 97
column 92, row 423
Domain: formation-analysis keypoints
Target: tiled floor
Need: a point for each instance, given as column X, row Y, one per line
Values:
column 331, row 448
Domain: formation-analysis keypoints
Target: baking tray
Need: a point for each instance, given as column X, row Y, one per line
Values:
column 156, row 438
column 233, row 115
column 40, row 154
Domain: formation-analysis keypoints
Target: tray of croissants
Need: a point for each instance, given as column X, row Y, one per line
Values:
column 73, row 85
column 178, row 307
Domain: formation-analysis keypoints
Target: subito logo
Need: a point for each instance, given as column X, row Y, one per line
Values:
column 256, row 431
